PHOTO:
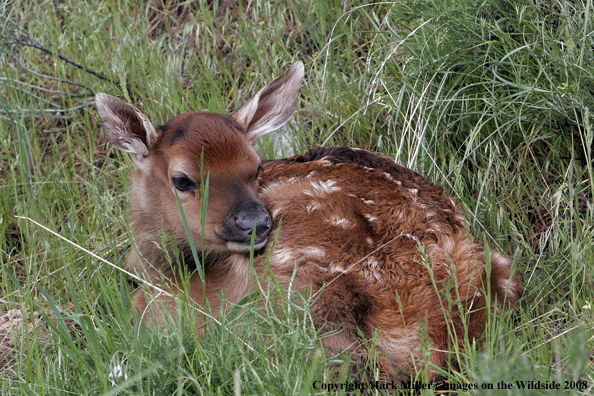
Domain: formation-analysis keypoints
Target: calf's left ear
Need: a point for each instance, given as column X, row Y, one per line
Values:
column 272, row 106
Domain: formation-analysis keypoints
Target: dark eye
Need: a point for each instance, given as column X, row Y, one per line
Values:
column 260, row 171
column 182, row 183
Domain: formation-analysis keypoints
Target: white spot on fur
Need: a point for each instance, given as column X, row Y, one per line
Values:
column 370, row 218
column 324, row 162
column 413, row 194
column 315, row 252
column 369, row 241
column 340, row 222
column 321, row 188
column 368, row 202
column 437, row 229
column 273, row 186
column 313, row 206
column 334, row 268
column 285, row 256
column 372, row 263
column 368, row 276
column 372, row 272
column 276, row 211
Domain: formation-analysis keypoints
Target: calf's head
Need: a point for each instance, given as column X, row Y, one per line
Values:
column 172, row 158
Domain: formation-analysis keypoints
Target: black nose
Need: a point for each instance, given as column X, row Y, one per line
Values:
column 240, row 223
column 245, row 223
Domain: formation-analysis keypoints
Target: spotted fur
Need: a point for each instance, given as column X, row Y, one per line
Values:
column 389, row 284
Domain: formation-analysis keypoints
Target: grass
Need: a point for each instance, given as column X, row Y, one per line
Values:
column 490, row 98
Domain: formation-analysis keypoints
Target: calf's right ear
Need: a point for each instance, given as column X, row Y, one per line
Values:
column 126, row 127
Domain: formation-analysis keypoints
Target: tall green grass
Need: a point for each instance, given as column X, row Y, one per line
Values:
column 490, row 98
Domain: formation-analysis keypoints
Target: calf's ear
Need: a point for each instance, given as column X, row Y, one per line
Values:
column 272, row 106
column 126, row 127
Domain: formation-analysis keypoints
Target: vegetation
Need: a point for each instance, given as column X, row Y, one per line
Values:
column 490, row 98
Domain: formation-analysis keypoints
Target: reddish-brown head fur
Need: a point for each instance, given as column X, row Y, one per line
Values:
column 182, row 157
column 379, row 247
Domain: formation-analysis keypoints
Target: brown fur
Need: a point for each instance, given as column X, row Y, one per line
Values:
column 377, row 247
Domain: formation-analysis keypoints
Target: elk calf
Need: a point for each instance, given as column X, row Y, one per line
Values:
column 380, row 248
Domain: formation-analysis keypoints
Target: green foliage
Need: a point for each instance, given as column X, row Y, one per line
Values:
column 490, row 98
